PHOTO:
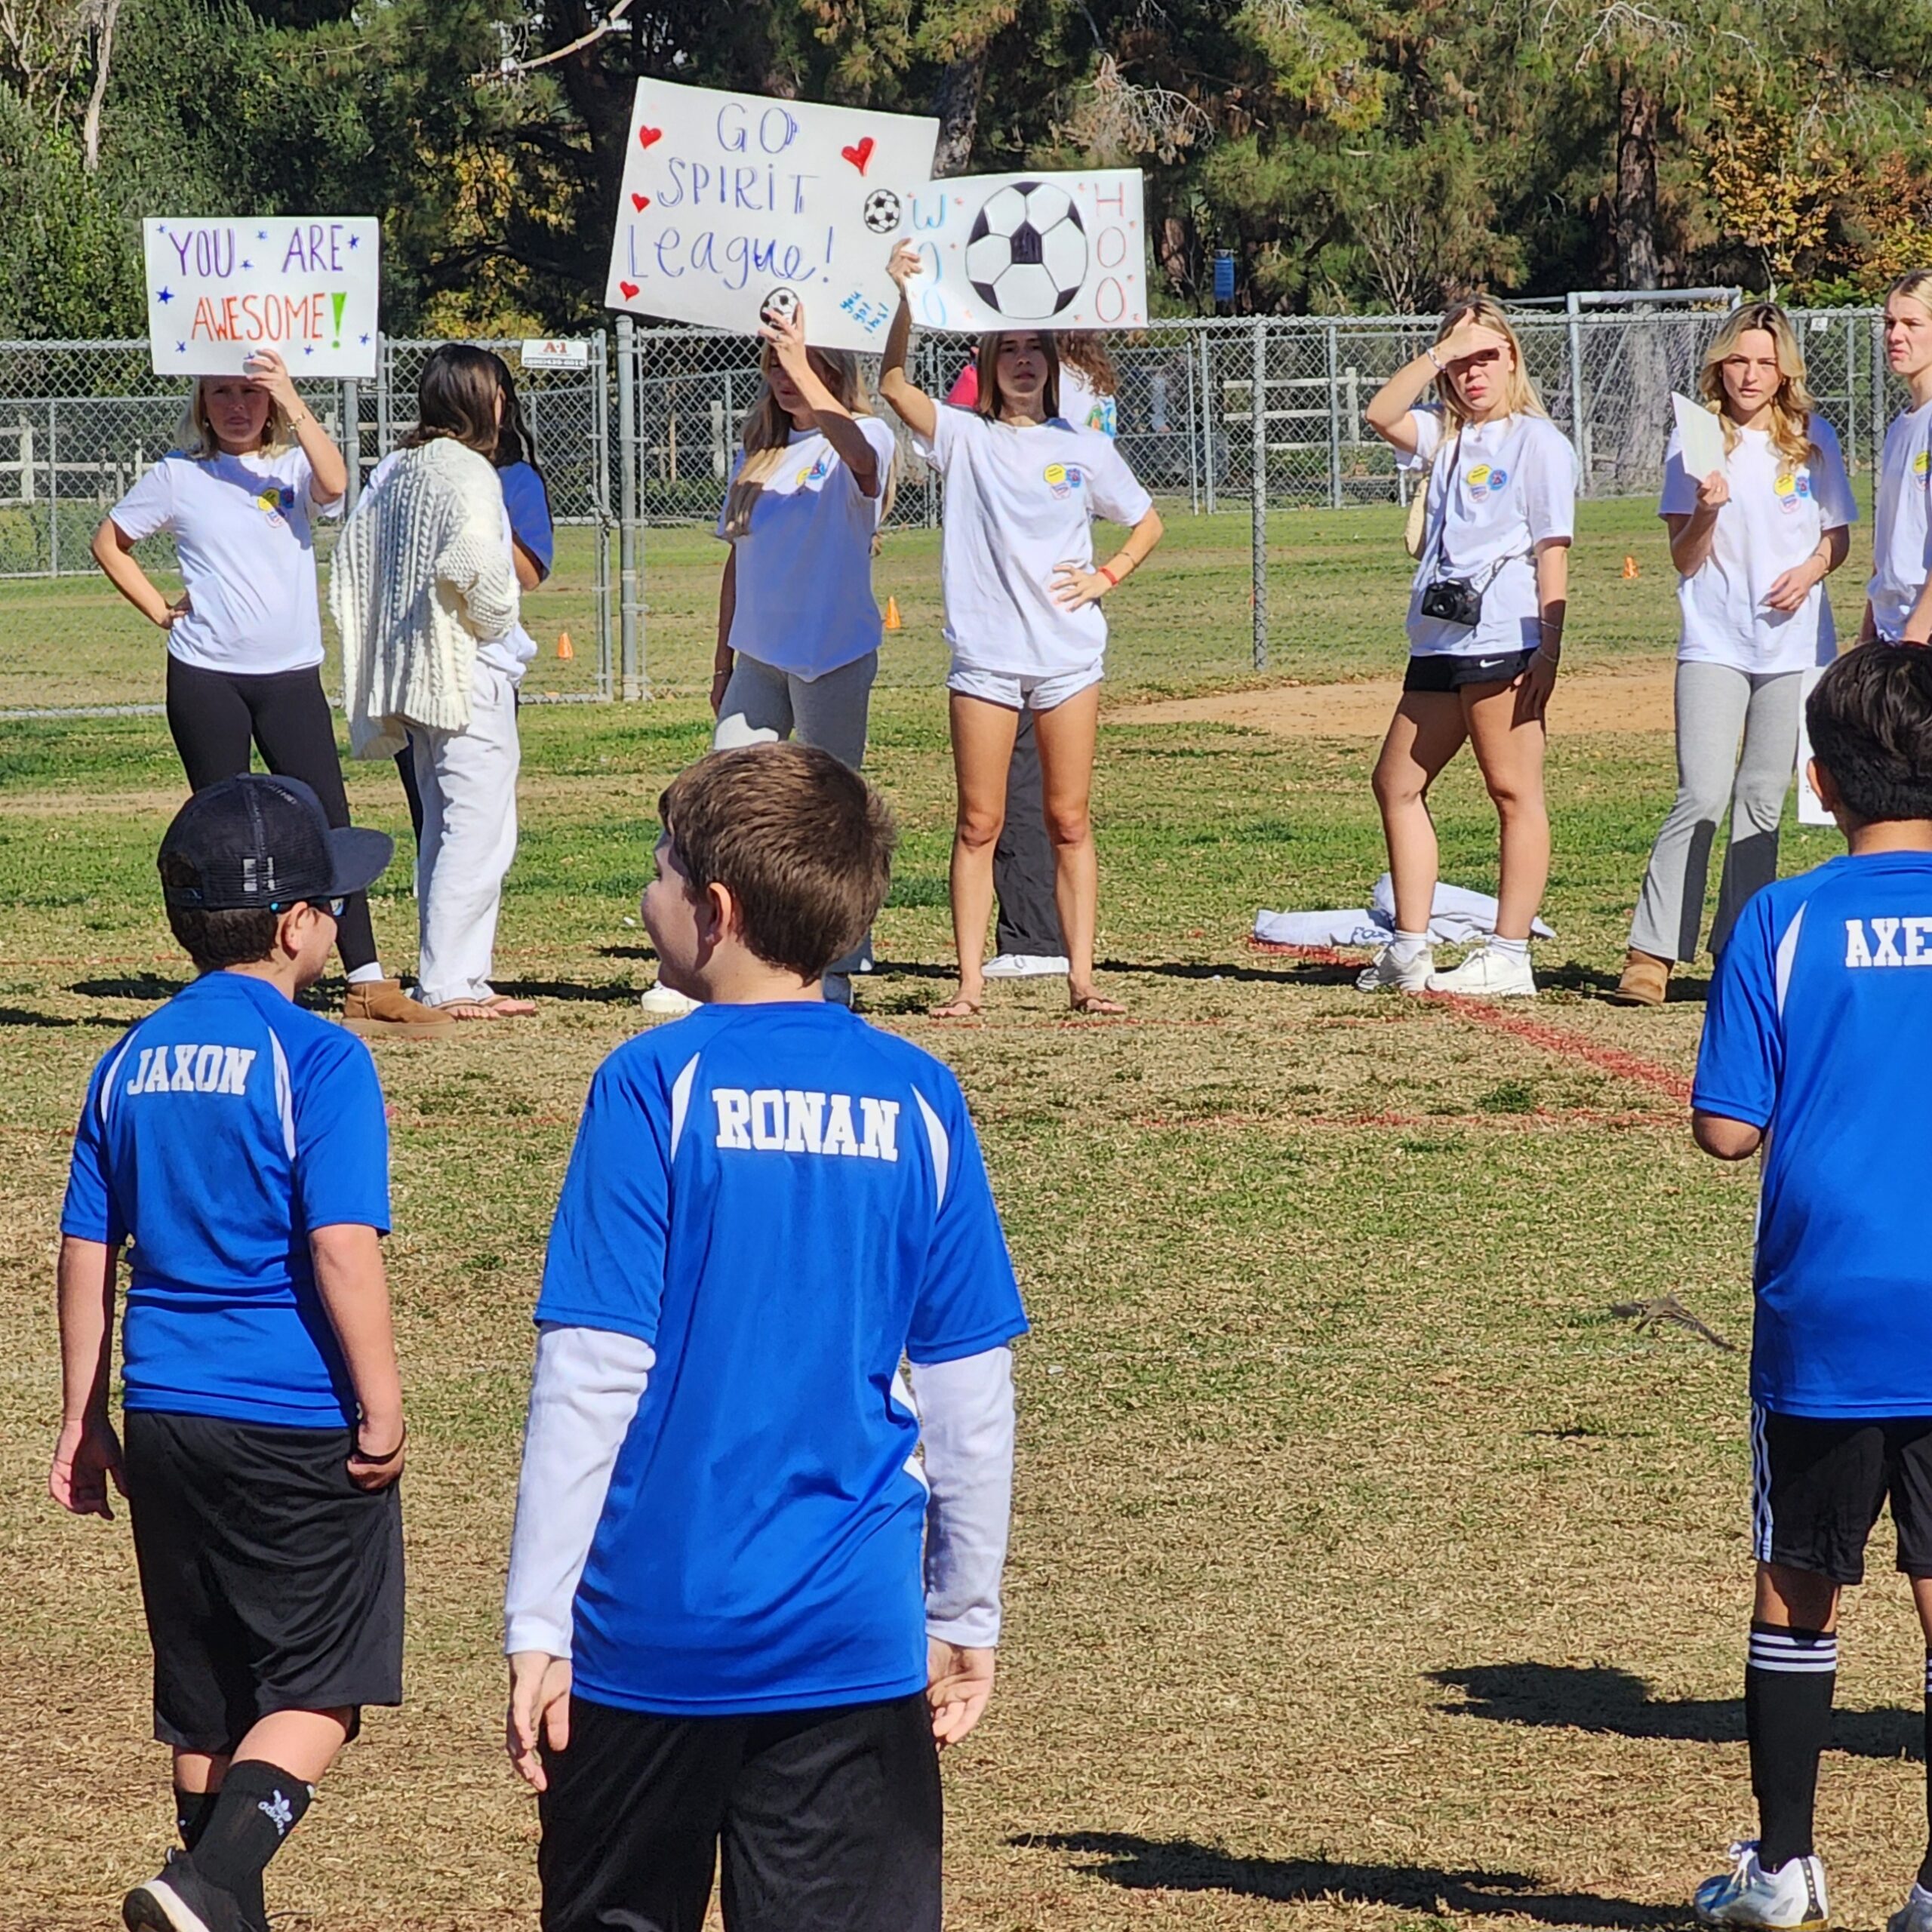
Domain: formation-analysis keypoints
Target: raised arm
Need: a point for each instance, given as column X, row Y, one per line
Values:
column 910, row 403
column 787, row 337
column 1388, row 411
column 268, row 371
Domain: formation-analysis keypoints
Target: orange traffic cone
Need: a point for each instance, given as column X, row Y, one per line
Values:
column 1630, row 570
column 892, row 618
column 563, row 650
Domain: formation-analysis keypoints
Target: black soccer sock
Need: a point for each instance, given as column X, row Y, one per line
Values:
column 259, row 1807
column 192, row 1810
column 1925, row 1867
column 1789, row 1681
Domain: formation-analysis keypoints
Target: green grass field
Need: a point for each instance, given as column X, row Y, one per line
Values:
column 1367, row 1572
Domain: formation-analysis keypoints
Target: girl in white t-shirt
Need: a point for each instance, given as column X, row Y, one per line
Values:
column 799, row 627
column 1485, row 630
column 1022, row 616
column 252, row 468
column 1753, row 543
column 1899, row 599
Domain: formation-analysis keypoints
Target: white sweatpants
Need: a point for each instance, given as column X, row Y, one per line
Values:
column 468, row 781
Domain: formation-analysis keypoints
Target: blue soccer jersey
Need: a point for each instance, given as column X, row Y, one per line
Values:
column 783, row 1202
column 1819, row 1032
column 215, row 1136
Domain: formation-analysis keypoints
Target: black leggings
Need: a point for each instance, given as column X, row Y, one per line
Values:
column 214, row 715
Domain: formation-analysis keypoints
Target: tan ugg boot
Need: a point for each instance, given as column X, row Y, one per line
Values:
column 380, row 1009
column 1646, row 980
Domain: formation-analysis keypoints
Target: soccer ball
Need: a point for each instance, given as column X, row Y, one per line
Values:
column 782, row 305
column 1026, row 256
column 882, row 211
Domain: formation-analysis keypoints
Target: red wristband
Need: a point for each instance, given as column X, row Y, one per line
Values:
column 1108, row 575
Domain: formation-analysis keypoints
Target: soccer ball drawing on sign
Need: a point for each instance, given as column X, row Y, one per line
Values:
column 881, row 213
column 1026, row 256
column 782, row 305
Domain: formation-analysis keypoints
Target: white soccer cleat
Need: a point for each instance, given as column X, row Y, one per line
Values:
column 1488, row 974
column 665, row 1002
column 1385, row 974
column 1791, row 1897
column 1026, row 966
column 1915, row 1915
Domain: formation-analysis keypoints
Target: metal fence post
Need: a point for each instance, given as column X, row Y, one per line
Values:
column 352, row 438
column 632, row 656
column 1335, row 421
column 1207, row 415
column 600, row 442
column 1258, row 388
column 1579, row 435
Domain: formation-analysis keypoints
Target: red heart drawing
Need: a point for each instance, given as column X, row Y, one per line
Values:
column 640, row 202
column 629, row 289
column 860, row 154
column 646, row 136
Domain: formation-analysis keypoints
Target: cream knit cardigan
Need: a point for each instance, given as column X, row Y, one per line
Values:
column 422, row 573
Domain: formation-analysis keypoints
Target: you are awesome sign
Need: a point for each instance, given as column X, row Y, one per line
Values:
column 734, row 204
column 1051, row 251
column 304, row 286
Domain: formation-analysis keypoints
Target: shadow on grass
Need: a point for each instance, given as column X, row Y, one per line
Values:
column 134, row 985
column 1290, row 972
column 1618, row 1703
column 1180, row 1865
column 612, row 993
column 22, row 1016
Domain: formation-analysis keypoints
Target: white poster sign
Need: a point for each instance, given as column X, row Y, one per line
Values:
column 556, row 352
column 1810, row 807
column 1700, row 437
column 734, row 204
column 305, row 286
column 1052, row 251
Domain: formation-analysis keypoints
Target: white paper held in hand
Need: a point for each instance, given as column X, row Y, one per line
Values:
column 1700, row 437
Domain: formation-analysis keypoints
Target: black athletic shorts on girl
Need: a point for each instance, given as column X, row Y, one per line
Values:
column 271, row 1582
column 1817, row 1485
column 815, row 1821
column 1441, row 672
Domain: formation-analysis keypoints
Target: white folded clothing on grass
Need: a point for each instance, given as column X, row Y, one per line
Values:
column 1458, row 917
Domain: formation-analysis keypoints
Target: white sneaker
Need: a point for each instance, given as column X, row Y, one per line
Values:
column 1488, row 974
column 1026, row 966
column 667, row 1002
column 1385, row 974
column 1915, row 1915
column 1791, row 1897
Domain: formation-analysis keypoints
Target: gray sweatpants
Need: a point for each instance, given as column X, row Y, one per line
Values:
column 1716, row 705
column 763, row 705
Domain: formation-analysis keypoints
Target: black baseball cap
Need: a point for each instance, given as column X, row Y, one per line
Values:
column 264, row 843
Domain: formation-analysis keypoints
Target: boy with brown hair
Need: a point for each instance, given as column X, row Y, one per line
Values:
column 239, row 1142
column 742, row 1611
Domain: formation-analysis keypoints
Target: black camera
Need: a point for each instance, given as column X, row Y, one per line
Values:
column 1454, row 600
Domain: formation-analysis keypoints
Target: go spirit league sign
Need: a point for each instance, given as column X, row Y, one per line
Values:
column 305, row 287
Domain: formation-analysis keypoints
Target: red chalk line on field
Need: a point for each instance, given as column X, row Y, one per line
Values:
column 1537, row 1033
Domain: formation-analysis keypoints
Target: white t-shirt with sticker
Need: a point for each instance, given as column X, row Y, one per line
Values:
column 805, row 604
column 1777, row 514
column 1901, row 530
column 1495, row 492
column 241, row 526
column 1020, row 502
column 1084, row 406
column 515, row 651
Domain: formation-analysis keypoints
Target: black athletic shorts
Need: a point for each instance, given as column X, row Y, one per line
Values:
column 827, row 1821
column 271, row 1582
column 1451, row 674
column 1817, row 1486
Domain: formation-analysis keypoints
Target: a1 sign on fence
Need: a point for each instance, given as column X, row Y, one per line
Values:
column 305, row 286
column 556, row 353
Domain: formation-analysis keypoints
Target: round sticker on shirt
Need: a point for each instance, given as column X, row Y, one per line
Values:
column 274, row 498
column 1482, row 479
column 817, row 473
column 1921, row 464
column 1061, row 478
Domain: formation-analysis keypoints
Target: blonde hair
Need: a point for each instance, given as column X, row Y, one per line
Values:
column 987, row 402
column 1519, row 394
column 1917, row 283
column 195, row 437
column 1791, row 407
column 768, row 430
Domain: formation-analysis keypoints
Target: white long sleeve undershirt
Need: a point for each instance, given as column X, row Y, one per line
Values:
column 584, row 1394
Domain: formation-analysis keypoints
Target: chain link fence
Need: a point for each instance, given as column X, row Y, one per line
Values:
column 1224, row 419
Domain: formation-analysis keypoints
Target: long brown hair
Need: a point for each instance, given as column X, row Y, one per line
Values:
column 987, row 402
column 1084, row 351
column 768, row 429
column 456, row 397
column 1519, row 394
column 1791, row 407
